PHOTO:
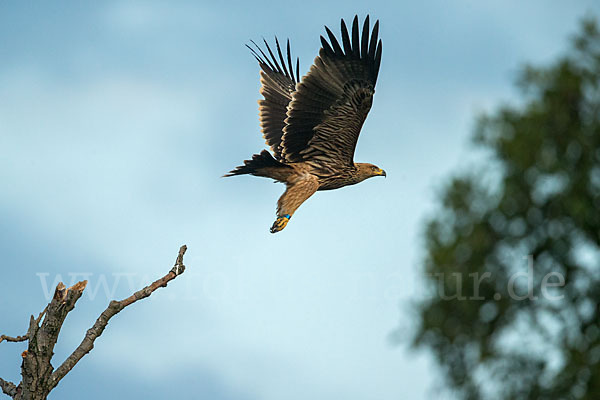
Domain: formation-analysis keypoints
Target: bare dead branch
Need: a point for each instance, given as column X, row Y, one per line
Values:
column 13, row 339
column 38, row 375
column 8, row 388
column 114, row 308
column 24, row 337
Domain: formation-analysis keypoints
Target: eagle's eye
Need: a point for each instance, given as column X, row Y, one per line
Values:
column 374, row 169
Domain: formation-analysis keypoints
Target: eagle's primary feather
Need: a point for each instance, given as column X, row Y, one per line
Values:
column 312, row 124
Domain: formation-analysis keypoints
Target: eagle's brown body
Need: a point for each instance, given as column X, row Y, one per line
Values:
column 312, row 125
column 326, row 179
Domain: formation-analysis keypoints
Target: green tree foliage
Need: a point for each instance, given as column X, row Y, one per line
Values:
column 513, row 256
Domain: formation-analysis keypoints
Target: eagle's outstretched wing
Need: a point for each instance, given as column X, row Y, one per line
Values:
column 331, row 103
column 278, row 83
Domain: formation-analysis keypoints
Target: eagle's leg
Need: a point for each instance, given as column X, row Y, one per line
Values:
column 280, row 223
column 298, row 190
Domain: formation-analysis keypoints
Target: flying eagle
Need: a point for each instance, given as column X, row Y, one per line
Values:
column 312, row 125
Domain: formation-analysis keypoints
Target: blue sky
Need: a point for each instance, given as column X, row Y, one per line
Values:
column 118, row 118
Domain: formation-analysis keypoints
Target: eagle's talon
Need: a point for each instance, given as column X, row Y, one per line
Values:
column 280, row 223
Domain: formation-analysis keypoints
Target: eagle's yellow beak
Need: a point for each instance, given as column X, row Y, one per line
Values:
column 381, row 172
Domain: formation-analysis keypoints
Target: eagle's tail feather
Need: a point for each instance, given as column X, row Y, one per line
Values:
column 260, row 165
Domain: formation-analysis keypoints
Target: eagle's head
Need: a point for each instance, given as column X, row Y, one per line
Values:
column 366, row 170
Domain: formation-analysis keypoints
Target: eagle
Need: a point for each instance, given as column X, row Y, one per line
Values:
column 312, row 124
